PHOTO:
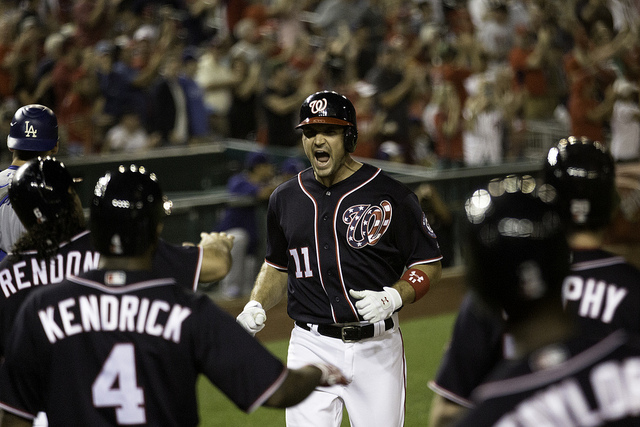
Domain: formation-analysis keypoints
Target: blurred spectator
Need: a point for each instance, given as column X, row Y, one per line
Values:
column 390, row 151
column 245, row 92
column 495, row 34
column 252, row 186
column 93, row 19
column 588, row 112
column 64, row 70
column 483, row 135
column 170, row 113
column 76, row 110
column 394, row 76
column 328, row 15
column 530, row 59
column 290, row 168
column 447, row 125
column 217, row 78
column 248, row 41
column 128, row 135
column 625, row 122
column 370, row 120
column 284, row 91
column 194, row 96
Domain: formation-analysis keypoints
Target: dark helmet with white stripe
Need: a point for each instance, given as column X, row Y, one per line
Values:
column 518, row 255
column 126, row 210
column 40, row 191
column 583, row 172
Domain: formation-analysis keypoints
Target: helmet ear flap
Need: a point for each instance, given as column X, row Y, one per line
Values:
column 350, row 138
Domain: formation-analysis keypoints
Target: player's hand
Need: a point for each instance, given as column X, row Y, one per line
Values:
column 330, row 375
column 216, row 239
column 376, row 306
column 252, row 317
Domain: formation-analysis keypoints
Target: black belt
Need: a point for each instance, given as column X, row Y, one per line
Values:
column 348, row 333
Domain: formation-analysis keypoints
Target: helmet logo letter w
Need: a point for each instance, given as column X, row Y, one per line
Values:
column 318, row 105
column 29, row 130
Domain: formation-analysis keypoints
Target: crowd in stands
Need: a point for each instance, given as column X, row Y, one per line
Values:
column 446, row 83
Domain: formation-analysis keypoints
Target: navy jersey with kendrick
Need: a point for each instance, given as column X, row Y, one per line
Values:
column 150, row 330
column 21, row 274
column 357, row 234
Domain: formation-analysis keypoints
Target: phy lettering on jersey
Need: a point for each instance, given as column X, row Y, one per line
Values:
column 616, row 388
column 597, row 299
column 366, row 223
column 105, row 312
column 33, row 272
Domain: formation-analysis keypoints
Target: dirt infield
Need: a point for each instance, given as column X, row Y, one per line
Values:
column 443, row 298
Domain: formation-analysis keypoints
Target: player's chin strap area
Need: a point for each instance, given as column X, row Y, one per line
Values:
column 350, row 333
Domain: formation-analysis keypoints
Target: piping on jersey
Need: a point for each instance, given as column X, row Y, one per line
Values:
column 335, row 236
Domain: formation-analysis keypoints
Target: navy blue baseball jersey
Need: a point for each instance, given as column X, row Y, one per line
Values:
column 19, row 274
column 574, row 383
column 477, row 346
column 604, row 291
column 360, row 233
column 113, row 348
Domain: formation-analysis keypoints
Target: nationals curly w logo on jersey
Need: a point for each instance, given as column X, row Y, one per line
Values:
column 367, row 223
column 318, row 105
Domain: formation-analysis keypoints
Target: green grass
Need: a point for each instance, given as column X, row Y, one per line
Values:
column 424, row 341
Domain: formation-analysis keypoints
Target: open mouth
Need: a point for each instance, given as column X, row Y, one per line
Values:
column 322, row 156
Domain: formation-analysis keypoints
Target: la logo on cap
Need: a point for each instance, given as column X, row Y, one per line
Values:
column 30, row 131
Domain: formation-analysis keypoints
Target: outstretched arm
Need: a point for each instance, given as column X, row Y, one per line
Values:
column 301, row 382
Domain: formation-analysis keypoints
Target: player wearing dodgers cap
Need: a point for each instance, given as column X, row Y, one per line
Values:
column 33, row 133
column 349, row 246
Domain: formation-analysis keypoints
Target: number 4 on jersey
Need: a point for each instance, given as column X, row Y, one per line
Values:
column 119, row 370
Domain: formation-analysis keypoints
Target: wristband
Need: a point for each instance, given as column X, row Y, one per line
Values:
column 418, row 280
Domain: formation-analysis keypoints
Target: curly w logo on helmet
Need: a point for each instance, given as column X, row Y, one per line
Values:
column 318, row 105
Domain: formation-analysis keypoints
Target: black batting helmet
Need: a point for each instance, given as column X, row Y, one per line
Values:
column 126, row 209
column 518, row 255
column 328, row 107
column 39, row 191
column 583, row 172
column 34, row 127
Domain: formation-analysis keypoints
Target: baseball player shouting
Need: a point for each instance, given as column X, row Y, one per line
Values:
column 349, row 246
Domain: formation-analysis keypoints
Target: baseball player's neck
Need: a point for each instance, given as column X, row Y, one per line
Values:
column 347, row 167
column 550, row 325
column 586, row 239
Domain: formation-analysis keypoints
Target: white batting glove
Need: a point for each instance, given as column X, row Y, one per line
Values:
column 330, row 375
column 376, row 306
column 252, row 317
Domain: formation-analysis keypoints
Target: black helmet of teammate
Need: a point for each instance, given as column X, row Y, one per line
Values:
column 34, row 127
column 517, row 251
column 583, row 172
column 126, row 210
column 39, row 191
column 328, row 107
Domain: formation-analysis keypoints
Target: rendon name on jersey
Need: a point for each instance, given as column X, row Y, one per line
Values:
column 23, row 273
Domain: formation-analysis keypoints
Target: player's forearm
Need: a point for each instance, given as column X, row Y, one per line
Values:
column 409, row 291
column 295, row 388
column 9, row 420
column 270, row 286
